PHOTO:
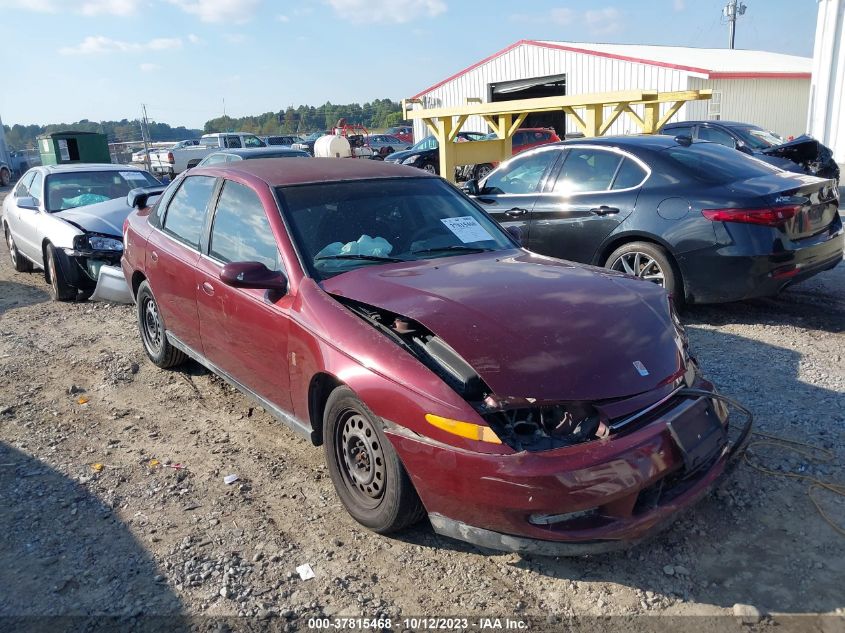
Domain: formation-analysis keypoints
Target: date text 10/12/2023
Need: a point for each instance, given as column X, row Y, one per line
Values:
column 419, row 624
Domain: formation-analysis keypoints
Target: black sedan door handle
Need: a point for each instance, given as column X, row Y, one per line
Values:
column 604, row 210
column 515, row 212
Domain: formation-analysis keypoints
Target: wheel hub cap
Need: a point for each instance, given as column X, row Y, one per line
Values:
column 152, row 326
column 640, row 265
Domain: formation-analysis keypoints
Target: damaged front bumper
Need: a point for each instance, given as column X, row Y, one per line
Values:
column 111, row 286
column 595, row 497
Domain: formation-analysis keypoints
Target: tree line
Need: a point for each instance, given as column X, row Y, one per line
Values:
column 378, row 114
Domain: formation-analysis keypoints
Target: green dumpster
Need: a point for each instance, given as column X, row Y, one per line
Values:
column 59, row 148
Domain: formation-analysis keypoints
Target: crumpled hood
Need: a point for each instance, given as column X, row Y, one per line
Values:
column 532, row 326
column 104, row 217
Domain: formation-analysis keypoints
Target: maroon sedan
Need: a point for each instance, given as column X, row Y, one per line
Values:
column 519, row 401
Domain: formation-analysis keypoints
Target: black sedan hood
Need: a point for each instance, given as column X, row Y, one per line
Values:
column 398, row 157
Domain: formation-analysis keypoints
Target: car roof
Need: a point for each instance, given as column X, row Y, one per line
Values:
column 296, row 172
column 268, row 151
column 713, row 122
column 76, row 167
column 647, row 141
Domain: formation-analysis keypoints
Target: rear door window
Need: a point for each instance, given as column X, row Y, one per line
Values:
column 680, row 130
column 630, row 174
column 241, row 230
column 233, row 142
column 185, row 215
column 587, row 170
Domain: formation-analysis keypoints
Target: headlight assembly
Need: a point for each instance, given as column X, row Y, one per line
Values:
column 101, row 243
column 411, row 159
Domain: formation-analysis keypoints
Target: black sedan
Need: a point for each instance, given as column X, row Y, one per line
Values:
column 803, row 154
column 233, row 155
column 424, row 154
column 706, row 222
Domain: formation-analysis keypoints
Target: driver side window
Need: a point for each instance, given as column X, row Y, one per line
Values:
column 521, row 175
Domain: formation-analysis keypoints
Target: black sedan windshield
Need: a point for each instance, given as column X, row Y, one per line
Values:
column 341, row 226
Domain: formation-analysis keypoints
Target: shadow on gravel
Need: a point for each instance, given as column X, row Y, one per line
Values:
column 756, row 539
column 67, row 563
column 14, row 295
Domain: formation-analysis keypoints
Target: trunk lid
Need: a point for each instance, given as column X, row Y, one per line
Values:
column 532, row 326
column 816, row 200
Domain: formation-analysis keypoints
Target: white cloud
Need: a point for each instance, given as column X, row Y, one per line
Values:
column 238, row 11
column 87, row 7
column 604, row 21
column 194, row 39
column 101, row 45
column 562, row 16
column 282, row 18
column 679, row 5
column 148, row 68
column 397, row 11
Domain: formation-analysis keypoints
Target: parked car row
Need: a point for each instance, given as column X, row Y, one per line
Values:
column 397, row 322
column 188, row 154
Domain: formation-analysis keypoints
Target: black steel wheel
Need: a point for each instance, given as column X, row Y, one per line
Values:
column 366, row 472
column 151, row 326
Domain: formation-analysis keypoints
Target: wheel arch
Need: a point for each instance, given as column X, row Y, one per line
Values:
column 137, row 279
column 319, row 389
column 615, row 241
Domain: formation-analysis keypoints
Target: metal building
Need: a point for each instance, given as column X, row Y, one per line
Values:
column 769, row 89
column 826, row 119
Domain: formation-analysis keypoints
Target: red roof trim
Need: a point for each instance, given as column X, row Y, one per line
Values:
column 470, row 68
column 740, row 75
column 624, row 58
column 710, row 74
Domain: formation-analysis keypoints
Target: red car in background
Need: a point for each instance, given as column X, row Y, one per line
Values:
column 520, row 402
column 524, row 138
column 402, row 132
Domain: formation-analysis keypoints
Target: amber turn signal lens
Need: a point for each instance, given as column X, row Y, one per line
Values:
column 463, row 429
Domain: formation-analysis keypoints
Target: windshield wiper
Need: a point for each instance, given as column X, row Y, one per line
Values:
column 368, row 258
column 452, row 247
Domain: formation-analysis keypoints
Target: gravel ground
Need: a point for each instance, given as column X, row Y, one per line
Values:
column 140, row 538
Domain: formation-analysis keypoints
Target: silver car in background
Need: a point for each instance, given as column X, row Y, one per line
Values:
column 385, row 144
column 67, row 220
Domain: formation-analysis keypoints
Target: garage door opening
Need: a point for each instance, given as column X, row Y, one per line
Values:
column 534, row 88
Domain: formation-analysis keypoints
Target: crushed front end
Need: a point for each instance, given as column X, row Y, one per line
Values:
column 92, row 266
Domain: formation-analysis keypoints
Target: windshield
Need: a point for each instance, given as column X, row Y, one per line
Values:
column 79, row 189
column 716, row 164
column 757, row 138
column 342, row 226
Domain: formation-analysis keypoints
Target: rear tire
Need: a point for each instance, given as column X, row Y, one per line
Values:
column 369, row 478
column 153, row 335
column 649, row 262
column 20, row 263
column 60, row 290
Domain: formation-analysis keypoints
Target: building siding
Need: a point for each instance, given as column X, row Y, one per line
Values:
column 779, row 105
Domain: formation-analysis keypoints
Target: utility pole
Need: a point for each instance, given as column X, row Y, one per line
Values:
column 145, row 136
column 731, row 11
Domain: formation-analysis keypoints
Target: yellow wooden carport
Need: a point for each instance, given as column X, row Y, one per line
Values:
column 592, row 113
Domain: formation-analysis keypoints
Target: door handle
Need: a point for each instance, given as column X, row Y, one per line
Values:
column 604, row 210
column 208, row 289
column 154, row 256
column 516, row 212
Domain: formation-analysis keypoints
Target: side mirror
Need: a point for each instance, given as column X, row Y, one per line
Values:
column 138, row 198
column 253, row 275
column 27, row 202
column 471, row 187
column 515, row 232
column 742, row 147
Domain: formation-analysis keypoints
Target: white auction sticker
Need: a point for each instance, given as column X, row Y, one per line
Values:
column 467, row 229
column 133, row 175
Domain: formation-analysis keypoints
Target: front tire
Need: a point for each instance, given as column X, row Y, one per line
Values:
column 60, row 290
column 429, row 167
column 482, row 171
column 369, row 478
column 153, row 335
column 5, row 177
column 649, row 262
column 20, row 263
